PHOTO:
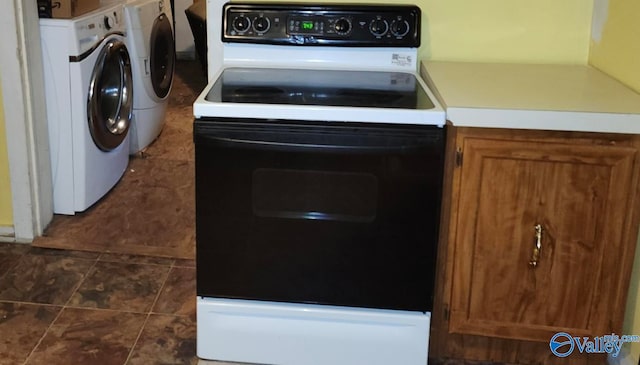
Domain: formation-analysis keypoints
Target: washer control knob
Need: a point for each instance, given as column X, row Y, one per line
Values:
column 400, row 28
column 109, row 22
column 261, row 24
column 241, row 24
column 343, row 26
column 378, row 27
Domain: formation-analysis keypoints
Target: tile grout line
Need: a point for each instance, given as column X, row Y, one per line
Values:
column 62, row 308
column 138, row 263
column 21, row 302
column 148, row 315
column 135, row 342
column 44, row 334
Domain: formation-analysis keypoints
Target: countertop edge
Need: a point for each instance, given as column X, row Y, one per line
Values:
column 535, row 119
column 544, row 120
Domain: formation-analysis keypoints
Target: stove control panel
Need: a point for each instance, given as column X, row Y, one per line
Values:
column 322, row 25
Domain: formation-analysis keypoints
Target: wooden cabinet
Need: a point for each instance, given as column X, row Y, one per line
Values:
column 539, row 239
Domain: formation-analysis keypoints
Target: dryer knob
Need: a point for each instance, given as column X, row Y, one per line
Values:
column 109, row 22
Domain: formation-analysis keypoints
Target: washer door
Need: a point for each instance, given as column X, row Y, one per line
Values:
column 110, row 104
column 162, row 56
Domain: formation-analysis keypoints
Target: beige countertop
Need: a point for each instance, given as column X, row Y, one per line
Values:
column 532, row 96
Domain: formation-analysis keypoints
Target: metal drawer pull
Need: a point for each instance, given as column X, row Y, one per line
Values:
column 535, row 256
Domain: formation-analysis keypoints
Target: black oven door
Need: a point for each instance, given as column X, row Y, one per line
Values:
column 341, row 214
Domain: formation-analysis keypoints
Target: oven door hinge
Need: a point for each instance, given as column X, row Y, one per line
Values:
column 459, row 157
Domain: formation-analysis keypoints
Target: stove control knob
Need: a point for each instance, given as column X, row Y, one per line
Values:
column 400, row 28
column 241, row 24
column 261, row 24
column 343, row 26
column 378, row 27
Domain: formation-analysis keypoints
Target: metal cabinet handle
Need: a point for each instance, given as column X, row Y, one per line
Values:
column 535, row 256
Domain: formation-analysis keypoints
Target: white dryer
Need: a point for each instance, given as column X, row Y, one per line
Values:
column 151, row 43
column 89, row 98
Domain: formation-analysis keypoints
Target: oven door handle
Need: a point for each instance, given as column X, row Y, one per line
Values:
column 265, row 145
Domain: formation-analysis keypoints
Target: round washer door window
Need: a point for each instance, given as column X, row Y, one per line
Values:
column 110, row 104
column 162, row 57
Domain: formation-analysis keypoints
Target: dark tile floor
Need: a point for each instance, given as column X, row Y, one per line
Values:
column 76, row 307
column 65, row 307
column 116, row 284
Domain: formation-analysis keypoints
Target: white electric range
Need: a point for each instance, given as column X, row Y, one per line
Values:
column 319, row 159
column 236, row 44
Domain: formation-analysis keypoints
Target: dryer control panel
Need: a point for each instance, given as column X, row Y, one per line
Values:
column 91, row 29
column 326, row 25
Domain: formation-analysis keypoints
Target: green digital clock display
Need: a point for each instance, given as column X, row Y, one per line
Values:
column 305, row 25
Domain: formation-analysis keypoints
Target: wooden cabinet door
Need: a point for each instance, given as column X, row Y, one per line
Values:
column 580, row 194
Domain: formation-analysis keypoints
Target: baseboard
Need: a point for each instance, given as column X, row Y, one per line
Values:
column 623, row 358
column 7, row 234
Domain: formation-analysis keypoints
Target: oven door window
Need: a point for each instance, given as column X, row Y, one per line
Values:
column 314, row 194
column 309, row 214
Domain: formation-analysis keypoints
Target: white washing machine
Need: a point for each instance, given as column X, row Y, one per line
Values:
column 152, row 47
column 89, row 98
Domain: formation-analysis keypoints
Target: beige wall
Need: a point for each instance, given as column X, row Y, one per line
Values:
column 6, row 210
column 543, row 31
column 615, row 49
column 615, row 40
